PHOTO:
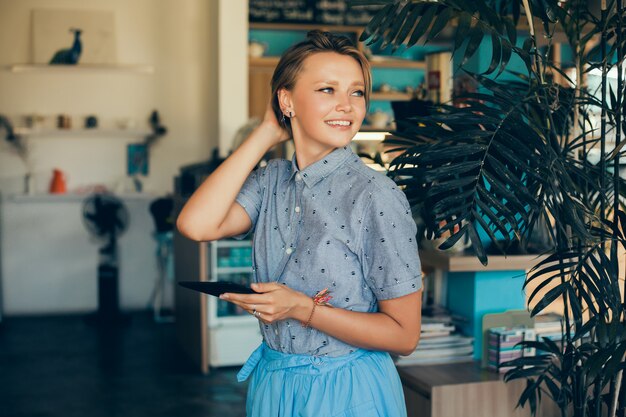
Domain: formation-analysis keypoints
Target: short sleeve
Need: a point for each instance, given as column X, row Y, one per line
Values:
column 250, row 198
column 388, row 246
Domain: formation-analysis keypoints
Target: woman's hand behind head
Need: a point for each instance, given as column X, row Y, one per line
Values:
column 273, row 127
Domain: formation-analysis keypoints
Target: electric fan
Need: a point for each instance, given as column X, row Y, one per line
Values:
column 106, row 218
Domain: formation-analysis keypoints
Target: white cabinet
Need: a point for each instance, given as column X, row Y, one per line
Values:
column 233, row 333
column 48, row 262
column 210, row 331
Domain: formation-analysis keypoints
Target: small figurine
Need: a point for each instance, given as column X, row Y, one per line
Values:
column 69, row 56
column 91, row 122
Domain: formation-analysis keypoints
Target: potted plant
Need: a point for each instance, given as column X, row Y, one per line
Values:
column 518, row 156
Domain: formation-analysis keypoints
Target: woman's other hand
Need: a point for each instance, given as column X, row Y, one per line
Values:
column 271, row 125
column 274, row 302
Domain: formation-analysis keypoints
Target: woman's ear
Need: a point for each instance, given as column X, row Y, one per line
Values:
column 284, row 100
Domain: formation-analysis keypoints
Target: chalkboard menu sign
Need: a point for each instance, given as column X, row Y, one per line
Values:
column 326, row 12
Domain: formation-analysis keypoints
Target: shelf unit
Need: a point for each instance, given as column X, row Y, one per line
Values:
column 376, row 61
column 209, row 330
column 232, row 333
column 81, row 133
column 82, row 68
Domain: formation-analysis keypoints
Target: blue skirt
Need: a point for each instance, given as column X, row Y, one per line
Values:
column 361, row 384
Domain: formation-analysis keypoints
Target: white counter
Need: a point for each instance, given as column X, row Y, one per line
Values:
column 48, row 261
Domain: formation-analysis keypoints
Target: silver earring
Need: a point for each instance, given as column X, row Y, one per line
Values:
column 283, row 118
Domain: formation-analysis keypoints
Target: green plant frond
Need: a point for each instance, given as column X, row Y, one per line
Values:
column 575, row 306
column 544, row 283
column 551, row 296
column 515, row 161
column 486, row 227
column 412, row 14
column 452, row 240
column 443, row 19
column 373, row 26
column 451, row 186
column 476, row 36
column 428, row 13
column 565, row 255
column 405, row 23
column 462, row 30
column 452, row 170
column 396, row 24
column 586, row 328
column 527, row 366
column 547, row 11
column 501, row 212
column 356, row 3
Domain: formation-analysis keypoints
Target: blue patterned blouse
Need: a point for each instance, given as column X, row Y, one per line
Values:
column 337, row 224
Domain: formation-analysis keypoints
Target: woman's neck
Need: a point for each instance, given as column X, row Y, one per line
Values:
column 308, row 155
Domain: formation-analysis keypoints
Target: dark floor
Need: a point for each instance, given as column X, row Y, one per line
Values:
column 60, row 366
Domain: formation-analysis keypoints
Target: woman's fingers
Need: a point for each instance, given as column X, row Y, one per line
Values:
column 273, row 301
column 265, row 312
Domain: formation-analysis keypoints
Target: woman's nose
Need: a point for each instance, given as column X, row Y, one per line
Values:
column 343, row 103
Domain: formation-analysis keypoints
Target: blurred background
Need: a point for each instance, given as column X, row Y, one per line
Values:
column 112, row 112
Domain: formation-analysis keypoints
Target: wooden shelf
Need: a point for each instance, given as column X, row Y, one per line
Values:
column 82, row 133
column 260, row 69
column 264, row 61
column 467, row 262
column 393, row 96
column 84, row 68
column 306, row 27
column 384, row 62
column 377, row 62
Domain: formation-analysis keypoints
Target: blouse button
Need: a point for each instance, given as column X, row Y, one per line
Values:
column 297, row 209
column 298, row 177
column 289, row 251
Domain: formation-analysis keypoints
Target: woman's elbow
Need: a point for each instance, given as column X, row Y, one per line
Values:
column 409, row 346
column 188, row 230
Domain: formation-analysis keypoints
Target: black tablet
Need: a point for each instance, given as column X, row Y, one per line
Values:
column 217, row 287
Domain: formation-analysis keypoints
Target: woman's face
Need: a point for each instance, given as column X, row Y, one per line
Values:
column 328, row 102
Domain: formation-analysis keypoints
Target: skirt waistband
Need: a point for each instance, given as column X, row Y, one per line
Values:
column 275, row 360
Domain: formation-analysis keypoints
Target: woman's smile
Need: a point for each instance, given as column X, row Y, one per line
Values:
column 341, row 124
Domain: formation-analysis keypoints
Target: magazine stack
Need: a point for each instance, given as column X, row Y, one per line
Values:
column 439, row 344
column 549, row 325
column 503, row 346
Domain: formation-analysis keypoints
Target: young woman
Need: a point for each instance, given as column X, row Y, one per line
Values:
column 336, row 269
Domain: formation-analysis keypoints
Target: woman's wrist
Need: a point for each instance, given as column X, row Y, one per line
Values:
column 270, row 133
column 303, row 309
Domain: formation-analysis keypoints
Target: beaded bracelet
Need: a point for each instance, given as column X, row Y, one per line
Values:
column 321, row 298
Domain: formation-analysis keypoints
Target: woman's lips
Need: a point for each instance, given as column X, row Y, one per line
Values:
column 339, row 124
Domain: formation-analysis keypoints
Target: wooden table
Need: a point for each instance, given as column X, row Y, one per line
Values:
column 463, row 390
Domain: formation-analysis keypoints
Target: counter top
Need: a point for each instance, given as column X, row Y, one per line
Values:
column 423, row 378
column 468, row 262
column 69, row 197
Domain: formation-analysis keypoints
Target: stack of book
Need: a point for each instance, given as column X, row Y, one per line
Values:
column 436, row 327
column 439, row 350
column 438, row 344
column 503, row 346
column 549, row 325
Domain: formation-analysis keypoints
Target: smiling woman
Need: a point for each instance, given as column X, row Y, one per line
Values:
column 336, row 271
column 330, row 91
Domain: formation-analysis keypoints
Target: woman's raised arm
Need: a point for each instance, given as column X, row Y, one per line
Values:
column 211, row 212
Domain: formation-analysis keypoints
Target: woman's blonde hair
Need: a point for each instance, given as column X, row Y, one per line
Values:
column 290, row 64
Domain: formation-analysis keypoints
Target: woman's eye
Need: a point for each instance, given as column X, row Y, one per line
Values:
column 359, row 93
column 326, row 90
